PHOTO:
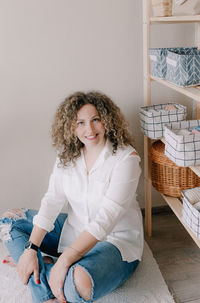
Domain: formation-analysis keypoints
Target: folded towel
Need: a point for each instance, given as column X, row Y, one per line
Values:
column 197, row 206
column 193, row 195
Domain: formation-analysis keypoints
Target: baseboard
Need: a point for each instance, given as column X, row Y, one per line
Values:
column 157, row 210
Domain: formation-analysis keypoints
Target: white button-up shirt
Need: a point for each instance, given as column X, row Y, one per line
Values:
column 102, row 202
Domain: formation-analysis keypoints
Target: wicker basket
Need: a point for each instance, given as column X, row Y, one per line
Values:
column 167, row 177
column 162, row 8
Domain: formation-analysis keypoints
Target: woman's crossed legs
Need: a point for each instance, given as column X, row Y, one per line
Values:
column 100, row 271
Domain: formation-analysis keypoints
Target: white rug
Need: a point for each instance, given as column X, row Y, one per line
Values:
column 145, row 286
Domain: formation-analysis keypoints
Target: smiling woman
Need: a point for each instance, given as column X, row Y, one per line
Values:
column 65, row 124
column 99, row 242
column 91, row 132
column 90, row 128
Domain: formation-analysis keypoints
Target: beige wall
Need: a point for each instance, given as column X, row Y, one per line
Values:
column 49, row 49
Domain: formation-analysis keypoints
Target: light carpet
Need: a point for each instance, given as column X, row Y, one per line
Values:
column 145, row 286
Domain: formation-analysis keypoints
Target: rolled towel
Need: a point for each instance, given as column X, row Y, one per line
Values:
column 193, row 195
column 197, row 206
column 170, row 107
column 195, row 131
column 182, row 132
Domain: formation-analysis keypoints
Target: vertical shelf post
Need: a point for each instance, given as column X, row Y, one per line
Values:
column 147, row 101
column 198, row 35
column 198, row 46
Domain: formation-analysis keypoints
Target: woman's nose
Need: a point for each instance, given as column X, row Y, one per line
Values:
column 90, row 127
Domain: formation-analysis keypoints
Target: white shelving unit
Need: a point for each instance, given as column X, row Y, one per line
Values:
column 192, row 92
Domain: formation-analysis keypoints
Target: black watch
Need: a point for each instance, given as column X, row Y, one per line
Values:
column 30, row 245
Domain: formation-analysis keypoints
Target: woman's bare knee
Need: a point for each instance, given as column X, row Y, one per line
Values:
column 6, row 221
column 16, row 213
column 82, row 282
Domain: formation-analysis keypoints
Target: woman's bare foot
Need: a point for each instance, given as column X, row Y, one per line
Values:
column 8, row 260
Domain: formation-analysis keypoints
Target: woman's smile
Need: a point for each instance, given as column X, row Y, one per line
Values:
column 92, row 137
column 90, row 129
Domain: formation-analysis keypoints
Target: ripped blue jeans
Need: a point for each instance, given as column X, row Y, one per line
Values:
column 103, row 262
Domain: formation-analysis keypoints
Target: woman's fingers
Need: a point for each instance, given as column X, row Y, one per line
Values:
column 57, row 279
column 56, row 284
column 24, row 276
column 28, row 264
column 36, row 275
column 57, row 289
column 60, row 295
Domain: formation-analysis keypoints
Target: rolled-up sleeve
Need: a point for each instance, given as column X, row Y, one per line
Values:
column 52, row 202
column 118, row 197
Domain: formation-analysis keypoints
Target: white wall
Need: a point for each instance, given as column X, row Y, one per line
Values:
column 49, row 49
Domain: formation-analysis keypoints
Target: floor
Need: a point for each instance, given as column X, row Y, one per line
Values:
column 177, row 256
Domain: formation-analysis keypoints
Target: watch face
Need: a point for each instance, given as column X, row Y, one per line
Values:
column 27, row 245
column 30, row 245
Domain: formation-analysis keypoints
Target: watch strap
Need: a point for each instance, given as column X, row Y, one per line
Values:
column 33, row 246
column 30, row 245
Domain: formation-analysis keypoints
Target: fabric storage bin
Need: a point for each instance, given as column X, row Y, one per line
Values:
column 167, row 177
column 183, row 66
column 154, row 117
column 182, row 146
column 158, row 62
column 190, row 210
column 162, row 8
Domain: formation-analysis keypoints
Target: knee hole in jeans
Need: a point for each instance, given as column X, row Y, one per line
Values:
column 82, row 282
column 16, row 213
column 6, row 222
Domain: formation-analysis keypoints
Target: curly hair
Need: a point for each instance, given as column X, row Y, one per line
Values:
column 63, row 128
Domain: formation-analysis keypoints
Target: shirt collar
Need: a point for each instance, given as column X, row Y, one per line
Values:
column 107, row 150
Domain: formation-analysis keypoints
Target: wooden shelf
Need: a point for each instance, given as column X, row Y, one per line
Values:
column 176, row 206
column 191, row 92
column 175, row 19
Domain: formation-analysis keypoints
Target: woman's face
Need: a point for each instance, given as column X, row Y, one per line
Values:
column 89, row 128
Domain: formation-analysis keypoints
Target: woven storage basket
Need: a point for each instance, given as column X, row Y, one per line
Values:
column 167, row 177
column 162, row 8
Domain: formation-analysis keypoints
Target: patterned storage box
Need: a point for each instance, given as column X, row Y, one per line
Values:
column 191, row 210
column 158, row 59
column 158, row 62
column 183, row 66
column 182, row 146
column 154, row 117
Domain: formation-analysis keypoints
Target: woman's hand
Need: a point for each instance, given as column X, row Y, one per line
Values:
column 28, row 264
column 57, row 277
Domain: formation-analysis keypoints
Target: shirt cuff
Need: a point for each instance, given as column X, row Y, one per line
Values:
column 96, row 231
column 105, row 220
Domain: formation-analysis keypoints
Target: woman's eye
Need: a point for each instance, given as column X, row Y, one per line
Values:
column 80, row 123
column 96, row 119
